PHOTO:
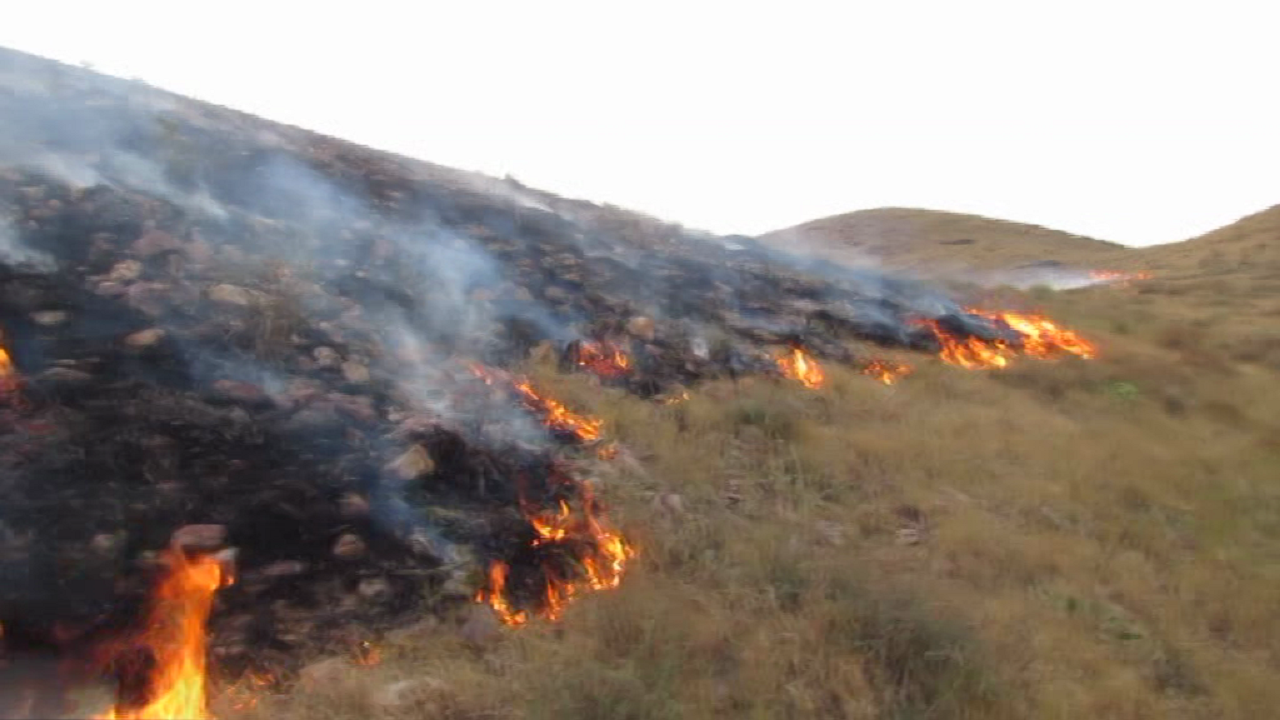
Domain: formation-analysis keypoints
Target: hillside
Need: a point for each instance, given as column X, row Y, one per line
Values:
column 294, row 428
column 930, row 241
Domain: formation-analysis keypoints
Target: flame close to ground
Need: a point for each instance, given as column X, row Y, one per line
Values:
column 886, row 371
column 599, row 552
column 1039, row 337
column 554, row 414
column 799, row 365
column 174, row 635
column 1117, row 276
column 602, row 359
column 10, row 382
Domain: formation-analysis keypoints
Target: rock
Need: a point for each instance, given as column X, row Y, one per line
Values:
column 375, row 589
column 65, row 377
column 283, row 568
column 417, row 693
column 356, row 407
column 125, row 271
column 349, row 547
column 240, row 392
column 324, row 674
column 320, row 417
column 104, row 544
column 480, row 627
column 830, row 533
column 148, row 297
column 908, row 536
column 642, row 327
column 355, row 373
column 199, row 538
column 144, row 339
column 326, row 357
column 154, row 242
column 411, row 633
column 412, row 464
column 670, row 504
column 353, row 506
column 110, row 289
column 50, row 318
column 235, row 295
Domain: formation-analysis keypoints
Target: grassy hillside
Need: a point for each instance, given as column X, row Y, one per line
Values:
column 1058, row 540
column 933, row 240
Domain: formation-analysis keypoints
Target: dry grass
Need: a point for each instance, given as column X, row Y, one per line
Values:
column 1060, row 540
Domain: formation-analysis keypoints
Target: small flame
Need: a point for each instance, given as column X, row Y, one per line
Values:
column 1040, row 338
column 10, row 381
column 175, row 635
column 555, row 415
column 600, row 552
column 1117, row 276
column 368, row 654
column 799, row 365
column 886, row 371
column 602, row 359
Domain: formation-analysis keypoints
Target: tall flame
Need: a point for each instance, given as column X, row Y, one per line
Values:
column 799, row 365
column 1039, row 337
column 175, row 635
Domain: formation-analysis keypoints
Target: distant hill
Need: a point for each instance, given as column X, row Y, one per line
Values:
column 934, row 240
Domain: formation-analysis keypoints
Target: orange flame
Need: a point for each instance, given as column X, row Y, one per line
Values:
column 886, row 371
column 602, row 359
column 1117, row 276
column 555, row 415
column 10, row 382
column 601, row 553
column 1040, row 338
column 175, row 634
column 799, row 365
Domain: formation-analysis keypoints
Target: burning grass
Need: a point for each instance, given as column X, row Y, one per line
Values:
column 797, row 364
column 171, row 682
column 845, row 567
column 1034, row 336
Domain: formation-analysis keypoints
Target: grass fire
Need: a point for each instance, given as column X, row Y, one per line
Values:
column 481, row 451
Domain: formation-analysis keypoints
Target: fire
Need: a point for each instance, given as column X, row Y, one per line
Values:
column 1039, row 337
column 175, row 635
column 10, row 383
column 601, row 555
column 555, row 415
column 886, row 371
column 799, row 365
column 1117, row 276
column 602, row 359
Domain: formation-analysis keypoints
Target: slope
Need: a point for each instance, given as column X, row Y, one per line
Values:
column 931, row 240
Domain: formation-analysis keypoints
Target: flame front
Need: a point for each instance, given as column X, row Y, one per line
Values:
column 600, row 553
column 886, row 371
column 1038, row 336
column 602, row 359
column 799, row 365
column 554, row 414
column 175, row 635
column 1117, row 276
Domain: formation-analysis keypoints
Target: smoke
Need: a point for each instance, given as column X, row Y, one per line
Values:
column 14, row 252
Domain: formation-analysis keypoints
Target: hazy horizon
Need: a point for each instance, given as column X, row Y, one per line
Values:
column 1138, row 125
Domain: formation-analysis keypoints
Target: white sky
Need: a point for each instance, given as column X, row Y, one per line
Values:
column 1133, row 121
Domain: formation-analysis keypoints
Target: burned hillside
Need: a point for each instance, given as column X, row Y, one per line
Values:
column 222, row 334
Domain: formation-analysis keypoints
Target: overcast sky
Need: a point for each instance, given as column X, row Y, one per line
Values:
column 1139, row 122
